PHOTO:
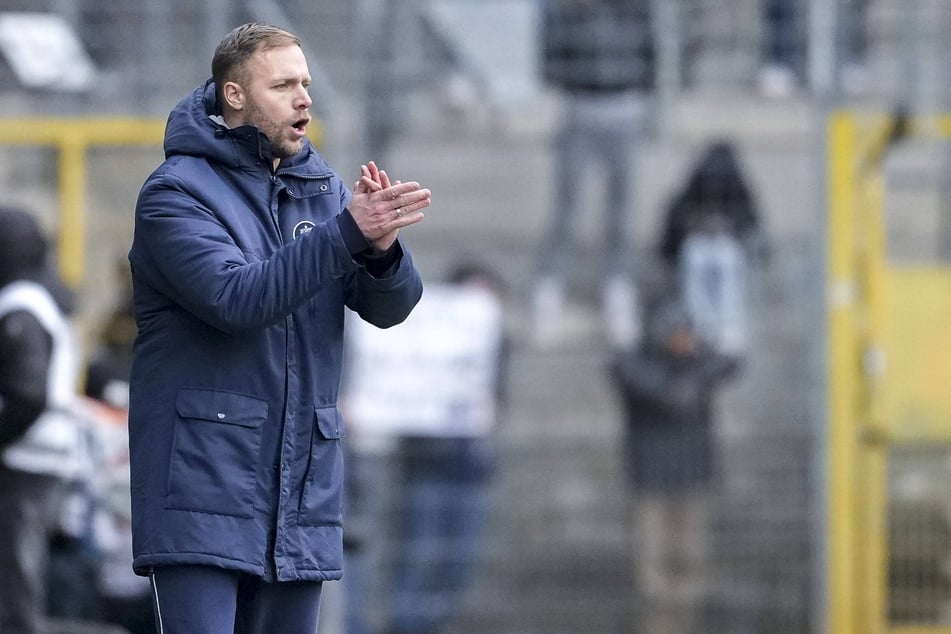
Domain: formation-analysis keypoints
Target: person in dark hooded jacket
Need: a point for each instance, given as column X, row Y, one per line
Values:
column 39, row 442
column 716, row 196
column 711, row 234
column 667, row 387
column 247, row 250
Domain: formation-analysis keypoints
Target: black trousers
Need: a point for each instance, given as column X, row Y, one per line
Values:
column 206, row 600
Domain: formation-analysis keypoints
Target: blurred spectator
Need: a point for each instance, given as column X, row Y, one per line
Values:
column 667, row 386
column 123, row 598
column 600, row 55
column 450, row 355
column 85, row 538
column 441, row 508
column 785, row 44
column 73, row 548
column 711, row 230
column 363, row 501
column 107, row 373
column 40, row 437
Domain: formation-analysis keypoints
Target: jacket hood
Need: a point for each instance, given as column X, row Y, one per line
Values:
column 23, row 245
column 195, row 127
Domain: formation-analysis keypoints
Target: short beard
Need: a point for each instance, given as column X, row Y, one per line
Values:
column 280, row 148
column 286, row 149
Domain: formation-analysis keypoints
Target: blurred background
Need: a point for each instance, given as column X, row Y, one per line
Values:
column 829, row 507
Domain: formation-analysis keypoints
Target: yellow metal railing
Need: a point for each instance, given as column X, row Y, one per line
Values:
column 888, row 333
column 72, row 139
column 842, row 577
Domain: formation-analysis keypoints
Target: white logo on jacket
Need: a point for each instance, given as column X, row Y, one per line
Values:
column 302, row 227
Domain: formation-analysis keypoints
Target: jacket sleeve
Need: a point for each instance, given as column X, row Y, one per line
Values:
column 650, row 381
column 386, row 300
column 185, row 250
column 25, row 351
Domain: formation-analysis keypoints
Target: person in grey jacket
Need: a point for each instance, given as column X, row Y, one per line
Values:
column 247, row 250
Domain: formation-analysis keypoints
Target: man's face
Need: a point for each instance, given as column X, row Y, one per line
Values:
column 277, row 99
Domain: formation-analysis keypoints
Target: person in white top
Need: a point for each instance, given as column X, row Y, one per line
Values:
column 39, row 439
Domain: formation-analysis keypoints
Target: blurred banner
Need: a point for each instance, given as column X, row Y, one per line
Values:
column 432, row 375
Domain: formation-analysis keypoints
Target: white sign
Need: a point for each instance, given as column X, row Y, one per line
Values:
column 434, row 374
column 44, row 52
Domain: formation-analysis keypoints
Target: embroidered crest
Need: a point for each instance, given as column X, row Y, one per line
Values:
column 302, row 227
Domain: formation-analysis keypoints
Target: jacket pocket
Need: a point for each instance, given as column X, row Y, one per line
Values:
column 322, row 497
column 215, row 452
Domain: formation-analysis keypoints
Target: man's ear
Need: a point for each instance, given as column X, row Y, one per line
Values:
column 233, row 95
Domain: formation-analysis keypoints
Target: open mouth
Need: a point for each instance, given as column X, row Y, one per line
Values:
column 301, row 125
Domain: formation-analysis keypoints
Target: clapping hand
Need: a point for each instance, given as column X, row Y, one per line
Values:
column 381, row 208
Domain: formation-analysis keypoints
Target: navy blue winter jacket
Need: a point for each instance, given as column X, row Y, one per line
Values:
column 240, row 278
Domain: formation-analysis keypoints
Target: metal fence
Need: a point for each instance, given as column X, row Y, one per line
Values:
column 408, row 77
column 147, row 52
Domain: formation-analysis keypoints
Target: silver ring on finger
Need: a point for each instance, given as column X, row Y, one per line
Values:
column 399, row 212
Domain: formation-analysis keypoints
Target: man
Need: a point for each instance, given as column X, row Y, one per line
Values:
column 39, row 441
column 599, row 54
column 247, row 249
